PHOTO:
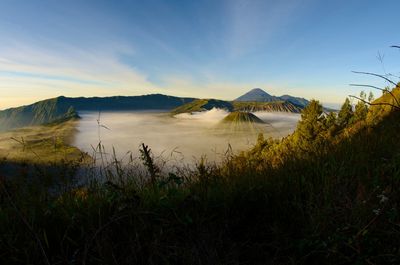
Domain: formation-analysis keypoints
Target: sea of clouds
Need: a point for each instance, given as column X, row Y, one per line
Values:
column 181, row 138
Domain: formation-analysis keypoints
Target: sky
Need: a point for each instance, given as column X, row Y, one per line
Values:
column 207, row 49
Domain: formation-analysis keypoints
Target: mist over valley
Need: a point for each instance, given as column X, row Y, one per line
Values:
column 184, row 137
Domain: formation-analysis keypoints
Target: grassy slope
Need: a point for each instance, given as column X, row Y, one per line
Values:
column 239, row 117
column 380, row 110
column 245, row 123
column 40, row 144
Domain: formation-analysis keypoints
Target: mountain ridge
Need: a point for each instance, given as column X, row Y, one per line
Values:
column 42, row 112
column 259, row 95
column 247, row 106
column 64, row 108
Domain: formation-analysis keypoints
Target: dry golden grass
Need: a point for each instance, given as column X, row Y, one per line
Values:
column 40, row 144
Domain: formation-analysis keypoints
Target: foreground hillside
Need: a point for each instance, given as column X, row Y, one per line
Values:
column 37, row 149
column 327, row 194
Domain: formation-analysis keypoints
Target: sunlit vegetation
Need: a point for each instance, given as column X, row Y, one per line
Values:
column 40, row 144
column 326, row 194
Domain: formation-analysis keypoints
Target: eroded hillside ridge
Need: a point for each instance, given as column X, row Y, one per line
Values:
column 42, row 112
column 248, row 106
column 64, row 108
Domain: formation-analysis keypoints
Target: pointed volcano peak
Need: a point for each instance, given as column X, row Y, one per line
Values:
column 257, row 94
column 258, row 91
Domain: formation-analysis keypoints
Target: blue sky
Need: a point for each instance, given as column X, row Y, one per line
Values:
column 218, row 49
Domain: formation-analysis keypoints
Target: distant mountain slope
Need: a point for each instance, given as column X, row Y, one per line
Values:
column 51, row 110
column 277, row 106
column 203, row 104
column 259, row 95
column 295, row 100
column 208, row 104
column 145, row 102
column 42, row 112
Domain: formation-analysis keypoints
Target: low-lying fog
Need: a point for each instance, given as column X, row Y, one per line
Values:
column 185, row 137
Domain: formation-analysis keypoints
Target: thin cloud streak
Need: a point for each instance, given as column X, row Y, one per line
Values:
column 254, row 23
column 67, row 70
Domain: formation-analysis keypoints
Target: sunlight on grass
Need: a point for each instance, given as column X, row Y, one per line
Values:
column 40, row 144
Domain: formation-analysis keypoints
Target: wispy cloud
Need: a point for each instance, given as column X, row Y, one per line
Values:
column 67, row 70
column 254, row 23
